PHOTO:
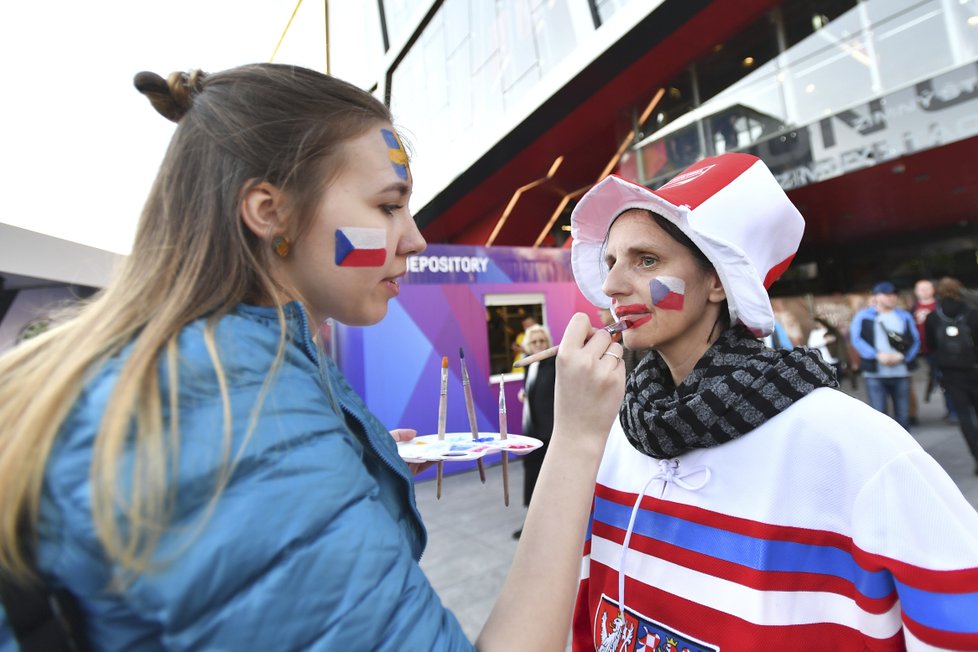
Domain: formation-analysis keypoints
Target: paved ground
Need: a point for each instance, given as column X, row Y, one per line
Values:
column 471, row 546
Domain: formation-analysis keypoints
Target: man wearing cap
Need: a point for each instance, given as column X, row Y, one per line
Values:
column 743, row 502
column 887, row 341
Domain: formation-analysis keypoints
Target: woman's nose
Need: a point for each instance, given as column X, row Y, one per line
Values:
column 613, row 282
column 411, row 242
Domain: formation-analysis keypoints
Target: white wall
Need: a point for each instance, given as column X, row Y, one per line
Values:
column 32, row 254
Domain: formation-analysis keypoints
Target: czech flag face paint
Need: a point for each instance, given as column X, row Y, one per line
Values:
column 668, row 292
column 399, row 157
column 361, row 247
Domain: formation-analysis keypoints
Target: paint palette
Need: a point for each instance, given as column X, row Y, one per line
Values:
column 460, row 447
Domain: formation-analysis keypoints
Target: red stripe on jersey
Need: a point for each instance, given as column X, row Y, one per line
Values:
column 941, row 638
column 937, row 581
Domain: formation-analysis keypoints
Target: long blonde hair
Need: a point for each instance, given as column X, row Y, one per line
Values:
column 192, row 258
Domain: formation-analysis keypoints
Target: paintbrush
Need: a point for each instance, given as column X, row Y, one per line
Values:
column 614, row 329
column 470, row 408
column 442, row 416
column 502, row 437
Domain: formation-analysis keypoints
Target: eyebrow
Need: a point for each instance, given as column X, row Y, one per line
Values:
column 398, row 187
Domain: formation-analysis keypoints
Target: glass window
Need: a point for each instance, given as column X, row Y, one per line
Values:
column 400, row 16
column 356, row 44
column 962, row 28
column 849, row 63
column 484, row 40
column 802, row 18
column 677, row 101
column 553, row 29
column 897, row 39
column 459, row 88
column 432, row 44
column 607, row 8
column 487, row 98
column 457, row 25
column 516, row 37
column 507, row 317
column 752, row 111
column 736, row 58
column 474, row 60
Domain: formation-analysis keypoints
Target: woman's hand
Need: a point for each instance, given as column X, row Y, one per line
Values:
column 546, row 567
column 590, row 382
column 407, row 434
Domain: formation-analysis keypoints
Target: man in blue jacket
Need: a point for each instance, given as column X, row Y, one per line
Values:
column 887, row 341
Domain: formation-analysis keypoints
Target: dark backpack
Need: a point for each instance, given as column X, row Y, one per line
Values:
column 955, row 344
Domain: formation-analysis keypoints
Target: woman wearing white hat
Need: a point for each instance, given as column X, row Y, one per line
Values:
column 742, row 502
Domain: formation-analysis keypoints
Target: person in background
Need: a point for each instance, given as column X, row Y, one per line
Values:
column 181, row 462
column 950, row 331
column 830, row 344
column 743, row 503
column 887, row 341
column 537, row 397
column 519, row 350
column 924, row 304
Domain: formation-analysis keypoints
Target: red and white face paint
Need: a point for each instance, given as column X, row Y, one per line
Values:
column 668, row 292
column 361, row 247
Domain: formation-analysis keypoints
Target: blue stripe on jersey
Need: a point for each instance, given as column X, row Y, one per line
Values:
column 748, row 551
column 949, row 612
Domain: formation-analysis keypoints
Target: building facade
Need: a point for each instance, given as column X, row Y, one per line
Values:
column 866, row 110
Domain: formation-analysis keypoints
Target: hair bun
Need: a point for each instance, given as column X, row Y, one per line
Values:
column 171, row 97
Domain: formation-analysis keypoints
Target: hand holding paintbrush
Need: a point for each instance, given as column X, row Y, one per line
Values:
column 614, row 329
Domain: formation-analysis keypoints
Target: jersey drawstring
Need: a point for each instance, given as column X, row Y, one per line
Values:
column 668, row 472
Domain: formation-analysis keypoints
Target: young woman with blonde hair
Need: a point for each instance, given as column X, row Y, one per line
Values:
column 179, row 458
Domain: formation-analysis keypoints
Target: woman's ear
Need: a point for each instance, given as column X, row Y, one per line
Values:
column 263, row 210
column 715, row 292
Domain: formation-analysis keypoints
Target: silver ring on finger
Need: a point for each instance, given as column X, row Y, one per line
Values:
column 612, row 354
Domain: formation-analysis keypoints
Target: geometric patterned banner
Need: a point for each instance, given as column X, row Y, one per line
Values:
column 396, row 365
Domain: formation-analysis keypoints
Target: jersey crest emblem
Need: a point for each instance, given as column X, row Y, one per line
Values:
column 632, row 632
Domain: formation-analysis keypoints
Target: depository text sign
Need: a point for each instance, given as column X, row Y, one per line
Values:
column 442, row 263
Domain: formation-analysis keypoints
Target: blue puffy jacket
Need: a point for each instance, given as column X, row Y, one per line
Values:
column 313, row 544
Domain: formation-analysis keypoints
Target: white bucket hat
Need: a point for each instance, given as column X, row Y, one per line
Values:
column 730, row 206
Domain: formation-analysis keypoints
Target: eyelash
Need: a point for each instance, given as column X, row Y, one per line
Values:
column 391, row 208
column 645, row 261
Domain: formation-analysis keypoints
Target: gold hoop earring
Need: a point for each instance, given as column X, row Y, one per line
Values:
column 280, row 245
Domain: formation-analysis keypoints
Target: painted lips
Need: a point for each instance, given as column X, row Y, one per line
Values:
column 636, row 314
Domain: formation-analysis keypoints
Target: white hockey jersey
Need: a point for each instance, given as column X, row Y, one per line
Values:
column 827, row 528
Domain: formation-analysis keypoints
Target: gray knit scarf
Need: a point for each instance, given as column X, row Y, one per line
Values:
column 736, row 386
